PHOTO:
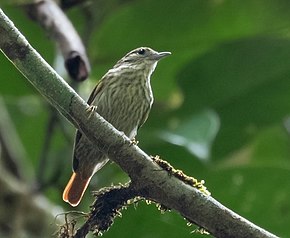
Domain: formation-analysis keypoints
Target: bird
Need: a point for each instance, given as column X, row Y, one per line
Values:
column 124, row 98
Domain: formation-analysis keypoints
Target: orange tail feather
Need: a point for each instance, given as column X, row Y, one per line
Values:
column 75, row 189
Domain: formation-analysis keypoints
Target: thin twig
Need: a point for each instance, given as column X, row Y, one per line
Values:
column 13, row 152
column 52, row 121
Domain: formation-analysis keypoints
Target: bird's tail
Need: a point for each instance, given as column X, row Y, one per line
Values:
column 75, row 189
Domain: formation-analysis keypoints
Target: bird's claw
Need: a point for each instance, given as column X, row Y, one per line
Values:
column 90, row 110
column 134, row 142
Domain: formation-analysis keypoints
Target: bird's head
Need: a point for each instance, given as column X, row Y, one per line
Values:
column 142, row 58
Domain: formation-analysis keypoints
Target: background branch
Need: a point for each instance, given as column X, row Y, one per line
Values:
column 48, row 14
column 41, row 181
column 12, row 159
column 146, row 176
column 21, row 212
column 15, row 193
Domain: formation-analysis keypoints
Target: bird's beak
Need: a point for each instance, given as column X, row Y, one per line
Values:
column 160, row 55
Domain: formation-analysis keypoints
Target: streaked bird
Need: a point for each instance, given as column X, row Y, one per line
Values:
column 124, row 98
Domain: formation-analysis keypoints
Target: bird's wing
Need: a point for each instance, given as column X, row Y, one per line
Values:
column 95, row 92
column 145, row 116
column 78, row 136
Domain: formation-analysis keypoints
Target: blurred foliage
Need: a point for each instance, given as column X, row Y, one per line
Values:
column 222, row 102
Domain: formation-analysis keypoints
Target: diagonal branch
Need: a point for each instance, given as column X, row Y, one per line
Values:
column 145, row 174
column 12, row 159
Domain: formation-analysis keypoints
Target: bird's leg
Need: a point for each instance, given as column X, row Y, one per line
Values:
column 92, row 109
column 134, row 141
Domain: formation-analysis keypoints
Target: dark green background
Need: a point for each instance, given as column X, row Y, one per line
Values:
column 221, row 111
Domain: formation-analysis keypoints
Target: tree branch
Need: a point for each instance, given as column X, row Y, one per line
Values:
column 12, row 159
column 59, row 27
column 146, row 175
column 21, row 211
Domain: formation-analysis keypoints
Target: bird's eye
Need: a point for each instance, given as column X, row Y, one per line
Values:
column 141, row 51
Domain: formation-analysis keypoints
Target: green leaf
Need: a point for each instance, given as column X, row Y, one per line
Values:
column 195, row 133
column 246, row 82
column 268, row 149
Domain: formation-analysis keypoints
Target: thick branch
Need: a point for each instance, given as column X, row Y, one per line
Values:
column 146, row 175
column 59, row 27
